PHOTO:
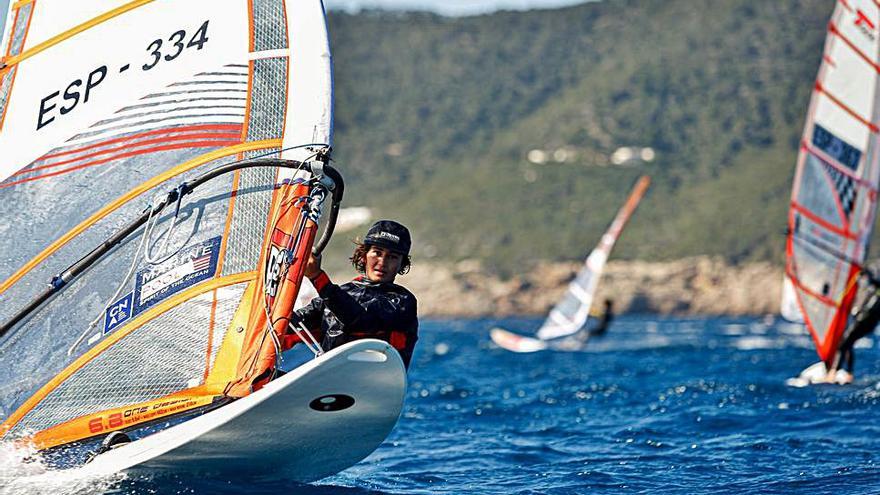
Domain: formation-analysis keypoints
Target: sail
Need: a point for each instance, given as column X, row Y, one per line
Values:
column 834, row 198
column 571, row 313
column 110, row 109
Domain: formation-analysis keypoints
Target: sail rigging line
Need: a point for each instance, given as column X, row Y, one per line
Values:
column 66, row 276
column 148, row 257
column 148, row 229
column 7, row 63
column 271, row 144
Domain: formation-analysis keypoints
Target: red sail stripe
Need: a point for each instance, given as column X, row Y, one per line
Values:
column 845, row 5
column 140, row 144
column 822, row 222
column 832, row 28
column 842, row 105
column 828, row 60
column 166, row 130
column 201, row 144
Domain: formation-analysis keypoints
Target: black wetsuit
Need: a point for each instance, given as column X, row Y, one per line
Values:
column 361, row 309
column 602, row 327
column 862, row 324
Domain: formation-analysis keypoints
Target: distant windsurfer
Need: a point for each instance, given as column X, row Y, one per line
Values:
column 604, row 320
column 579, row 340
column 861, row 325
column 371, row 305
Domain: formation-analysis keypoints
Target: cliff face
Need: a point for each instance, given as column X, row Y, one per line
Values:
column 699, row 285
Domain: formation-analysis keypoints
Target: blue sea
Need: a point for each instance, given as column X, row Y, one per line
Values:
column 658, row 405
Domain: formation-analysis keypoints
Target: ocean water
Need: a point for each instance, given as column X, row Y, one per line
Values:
column 658, row 405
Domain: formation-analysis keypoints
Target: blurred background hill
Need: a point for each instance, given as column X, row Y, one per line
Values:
column 513, row 137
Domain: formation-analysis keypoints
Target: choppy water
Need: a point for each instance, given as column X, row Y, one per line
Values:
column 657, row 405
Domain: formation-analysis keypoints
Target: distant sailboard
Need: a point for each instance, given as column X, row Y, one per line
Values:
column 834, row 198
column 165, row 167
column 571, row 313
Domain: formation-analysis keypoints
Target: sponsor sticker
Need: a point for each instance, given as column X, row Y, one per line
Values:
column 190, row 266
column 118, row 313
column 388, row 235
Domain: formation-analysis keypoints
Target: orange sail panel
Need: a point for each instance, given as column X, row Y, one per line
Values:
column 834, row 198
column 291, row 238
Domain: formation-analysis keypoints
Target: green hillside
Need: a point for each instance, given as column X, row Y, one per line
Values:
column 435, row 117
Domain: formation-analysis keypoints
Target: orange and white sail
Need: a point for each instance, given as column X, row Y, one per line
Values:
column 105, row 106
column 834, row 198
column 572, row 311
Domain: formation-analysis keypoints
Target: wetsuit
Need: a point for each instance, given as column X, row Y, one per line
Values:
column 361, row 309
column 863, row 324
column 602, row 327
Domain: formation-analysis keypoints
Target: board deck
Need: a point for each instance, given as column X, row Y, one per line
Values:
column 315, row 421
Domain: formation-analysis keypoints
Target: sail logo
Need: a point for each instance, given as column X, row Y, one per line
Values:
column 387, row 235
column 865, row 25
column 273, row 270
column 118, row 313
column 189, row 267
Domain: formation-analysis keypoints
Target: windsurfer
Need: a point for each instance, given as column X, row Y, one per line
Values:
column 604, row 321
column 577, row 341
column 862, row 324
column 371, row 305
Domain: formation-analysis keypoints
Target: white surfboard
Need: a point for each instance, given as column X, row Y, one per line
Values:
column 817, row 374
column 315, row 421
column 516, row 343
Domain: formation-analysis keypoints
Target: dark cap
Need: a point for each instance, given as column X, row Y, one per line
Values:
column 389, row 234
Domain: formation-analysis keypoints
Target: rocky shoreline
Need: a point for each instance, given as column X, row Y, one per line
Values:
column 692, row 286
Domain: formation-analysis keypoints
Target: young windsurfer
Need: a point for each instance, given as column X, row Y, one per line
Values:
column 371, row 305
column 861, row 325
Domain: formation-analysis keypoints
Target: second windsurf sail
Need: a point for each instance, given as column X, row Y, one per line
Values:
column 834, row 198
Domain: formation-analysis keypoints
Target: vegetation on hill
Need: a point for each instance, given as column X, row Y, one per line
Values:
column 435, row 118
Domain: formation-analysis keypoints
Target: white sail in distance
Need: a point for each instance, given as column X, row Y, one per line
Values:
column 572, row 311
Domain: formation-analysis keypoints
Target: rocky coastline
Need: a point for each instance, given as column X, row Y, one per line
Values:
column 692, row 286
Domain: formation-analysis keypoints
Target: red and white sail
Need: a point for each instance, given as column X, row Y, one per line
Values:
column 834, row 198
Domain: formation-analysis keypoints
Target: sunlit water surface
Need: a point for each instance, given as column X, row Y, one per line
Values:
column 659, row 405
